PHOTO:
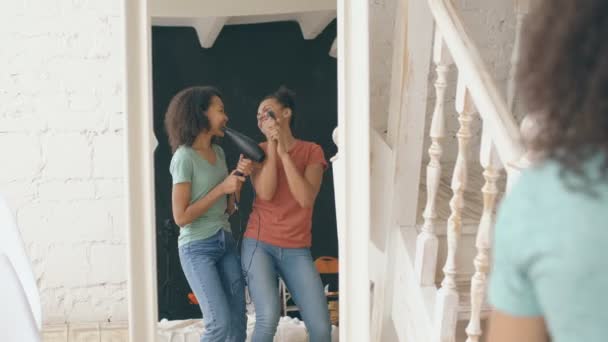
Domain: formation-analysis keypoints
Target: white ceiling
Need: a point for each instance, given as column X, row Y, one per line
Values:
column 312, row 15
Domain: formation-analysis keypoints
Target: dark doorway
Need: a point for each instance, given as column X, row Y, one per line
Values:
column 246, row 63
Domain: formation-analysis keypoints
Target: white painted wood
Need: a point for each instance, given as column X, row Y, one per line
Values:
column 501, row 141
column 334, row 138
column 398, row 73
column 411, row 315
column 313, row 23
column 140, row 143
column 427, row 243
column 483, row 90
column 209, row 29
column 382, row 173
column 522, row 8
column 12, row 246
column 258, row 19
column 412, row 50
column 492, row 166
column 229, row 8
column 333, row 51
column 447, row 296
column 354, row 172
column 410, row 136
column 17, row 322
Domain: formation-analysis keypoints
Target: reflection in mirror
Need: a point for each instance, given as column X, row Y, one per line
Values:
column 245, row 249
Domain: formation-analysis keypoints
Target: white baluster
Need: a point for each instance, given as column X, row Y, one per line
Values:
column 427, row 243
column 522, row 8
column 492, row 166
column 334, row 137
column 447, row 296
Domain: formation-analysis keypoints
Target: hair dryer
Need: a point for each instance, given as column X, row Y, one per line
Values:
column 247, row 146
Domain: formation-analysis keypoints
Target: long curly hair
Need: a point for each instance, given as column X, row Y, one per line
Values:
column 563, row 80
column 185, row 118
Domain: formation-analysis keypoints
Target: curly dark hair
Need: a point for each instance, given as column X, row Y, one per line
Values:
column 185, row 118
column 563, row 80
column 286, row 98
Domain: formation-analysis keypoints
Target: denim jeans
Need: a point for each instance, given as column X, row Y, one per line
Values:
column 263, row 264
column 214, row 273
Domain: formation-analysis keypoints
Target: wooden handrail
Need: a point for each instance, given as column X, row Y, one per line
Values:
column 491, row 106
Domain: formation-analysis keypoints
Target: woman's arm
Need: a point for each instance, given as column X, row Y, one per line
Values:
column 185, row 213
column 265, row 177
column 507, row 328
column 245, row 167
column 304, row 188
column 231, row 209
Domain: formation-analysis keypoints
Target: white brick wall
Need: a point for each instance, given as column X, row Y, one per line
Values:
column 61, row 141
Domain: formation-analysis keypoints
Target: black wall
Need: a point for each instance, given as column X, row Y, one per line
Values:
column 246, row 63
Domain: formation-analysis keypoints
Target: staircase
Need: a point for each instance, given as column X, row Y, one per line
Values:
column 433, row 286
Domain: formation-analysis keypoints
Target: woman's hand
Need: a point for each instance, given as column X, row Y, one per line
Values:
column 245, row 166
column 270, row 129
column 232, row 183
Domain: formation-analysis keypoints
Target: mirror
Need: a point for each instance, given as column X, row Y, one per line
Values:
column 246, row 53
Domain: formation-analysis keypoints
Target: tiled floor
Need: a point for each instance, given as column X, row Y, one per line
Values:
column 87, row 332
column 290, row 330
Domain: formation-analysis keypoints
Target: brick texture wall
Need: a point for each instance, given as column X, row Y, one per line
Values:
column 61, row 150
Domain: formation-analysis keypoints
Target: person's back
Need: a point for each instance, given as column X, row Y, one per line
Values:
column 549, row 265
column 551, row 259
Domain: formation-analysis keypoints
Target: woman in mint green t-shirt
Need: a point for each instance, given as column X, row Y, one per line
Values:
column 202, row 200
column 550, row 269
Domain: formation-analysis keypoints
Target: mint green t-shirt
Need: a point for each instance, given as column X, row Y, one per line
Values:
column 551, row 253
column 187, row 166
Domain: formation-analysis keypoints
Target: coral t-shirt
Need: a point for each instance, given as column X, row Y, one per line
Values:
column 284, row 223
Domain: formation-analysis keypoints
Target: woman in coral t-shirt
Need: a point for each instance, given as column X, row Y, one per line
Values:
column 278, row 236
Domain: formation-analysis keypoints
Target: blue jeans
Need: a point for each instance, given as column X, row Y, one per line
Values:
column 214, row 273
column 295, row 266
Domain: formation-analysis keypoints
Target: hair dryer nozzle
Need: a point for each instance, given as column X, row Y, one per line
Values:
column 245, row 144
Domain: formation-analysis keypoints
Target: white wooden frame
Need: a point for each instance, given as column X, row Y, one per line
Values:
column 353, row 128
column 142, row 294
column 352, row 169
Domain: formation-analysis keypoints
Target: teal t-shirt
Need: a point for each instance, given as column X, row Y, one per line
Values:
column 550, row 253
column 187, row 166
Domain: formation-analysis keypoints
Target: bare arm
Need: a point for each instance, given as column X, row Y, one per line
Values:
column 265, row 177
column 185, row 213
column 245, row 166
column 507, row 328
column 304, row 188
column 230, row 209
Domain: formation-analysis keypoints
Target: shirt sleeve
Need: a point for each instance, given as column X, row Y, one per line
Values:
column 511, row 288
column 317, row 156
column 181, row 168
